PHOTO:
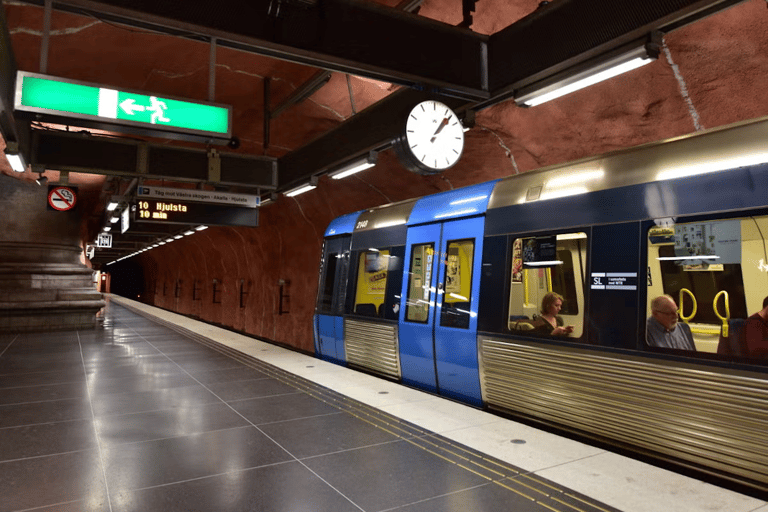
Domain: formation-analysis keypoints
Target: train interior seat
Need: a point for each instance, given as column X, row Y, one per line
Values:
column 366, row 309
column 520, row 323
column 734, row 344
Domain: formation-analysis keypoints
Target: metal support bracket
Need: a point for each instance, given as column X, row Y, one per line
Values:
column 214, row 166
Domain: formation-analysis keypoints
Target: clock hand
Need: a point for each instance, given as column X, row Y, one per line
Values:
column 440, row 128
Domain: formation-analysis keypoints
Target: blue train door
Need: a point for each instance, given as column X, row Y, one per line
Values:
column 438, row 317
column 329, row 321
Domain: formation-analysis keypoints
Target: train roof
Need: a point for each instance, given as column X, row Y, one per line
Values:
column 718, row 149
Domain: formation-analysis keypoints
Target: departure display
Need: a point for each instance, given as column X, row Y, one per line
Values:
column 182, row 212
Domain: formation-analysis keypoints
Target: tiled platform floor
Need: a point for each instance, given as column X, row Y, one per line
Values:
column 136, row 416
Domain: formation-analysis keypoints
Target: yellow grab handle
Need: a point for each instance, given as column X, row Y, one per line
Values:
column 549, row 279
column 680, row 309
column 727, row 316
column 526, row 296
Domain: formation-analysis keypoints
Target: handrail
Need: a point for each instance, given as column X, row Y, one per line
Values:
column 549, row 280
column 705, row 329
column 727, row 311
column 526, row 295
column 680, row 309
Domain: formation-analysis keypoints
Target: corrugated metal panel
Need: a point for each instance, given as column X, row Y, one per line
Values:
column 688, row 413
column 372, row 346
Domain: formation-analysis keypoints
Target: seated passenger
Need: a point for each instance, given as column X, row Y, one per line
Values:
column 755, row 332
column 549, row 322
column 662, row 328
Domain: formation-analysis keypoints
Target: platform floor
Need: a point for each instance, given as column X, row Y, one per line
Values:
column 157, row 412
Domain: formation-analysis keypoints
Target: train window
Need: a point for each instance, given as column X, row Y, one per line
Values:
column 372, row 273
column 458, row 284
column 419, row 292
column 325, row 302
column 701, row 266
column 543, row 265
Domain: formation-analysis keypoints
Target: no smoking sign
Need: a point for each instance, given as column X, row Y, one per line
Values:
column 61, row 198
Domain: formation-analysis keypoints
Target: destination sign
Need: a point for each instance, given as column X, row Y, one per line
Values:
column 614, row 280
column 181, row 212
column 48, row 95
column 202, row 196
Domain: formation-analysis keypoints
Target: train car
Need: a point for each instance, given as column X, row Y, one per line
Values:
column 444, row 293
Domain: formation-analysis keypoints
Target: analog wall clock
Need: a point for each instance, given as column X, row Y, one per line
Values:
column 432, row 139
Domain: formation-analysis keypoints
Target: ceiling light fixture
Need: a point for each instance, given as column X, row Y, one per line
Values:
column 596, row 70
column 355, row 166
column 116, row 201
column 306, row 187
column 15, row 158
column 271, row 198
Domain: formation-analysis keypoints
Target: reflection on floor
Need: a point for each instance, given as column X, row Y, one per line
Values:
column 178, row 415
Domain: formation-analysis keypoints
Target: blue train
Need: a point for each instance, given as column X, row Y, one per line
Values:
column 444, row 293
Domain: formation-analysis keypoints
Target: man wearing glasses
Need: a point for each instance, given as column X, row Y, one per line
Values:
column 662, row 328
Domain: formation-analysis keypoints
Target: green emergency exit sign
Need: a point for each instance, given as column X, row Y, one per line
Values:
column 57, row 97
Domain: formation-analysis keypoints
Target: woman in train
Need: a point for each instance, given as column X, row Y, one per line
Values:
column 549, row 321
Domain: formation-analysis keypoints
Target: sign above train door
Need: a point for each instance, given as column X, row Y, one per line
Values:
column 614, row 281
column 93, row 105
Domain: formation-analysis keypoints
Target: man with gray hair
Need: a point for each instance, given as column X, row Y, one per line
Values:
column 662, row 328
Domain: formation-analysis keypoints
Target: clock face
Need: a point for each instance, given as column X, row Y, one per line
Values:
column 434, row 137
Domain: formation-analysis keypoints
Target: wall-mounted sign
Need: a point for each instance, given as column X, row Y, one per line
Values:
column 61, row 198
column 188, row 212
column 201, row 196
column 540, row 251
column 104, row 240
column 95, row 105
column 708, row 243
column 125, row 221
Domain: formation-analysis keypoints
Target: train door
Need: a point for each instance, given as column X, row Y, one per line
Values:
column 438, row 320
column 329, row 321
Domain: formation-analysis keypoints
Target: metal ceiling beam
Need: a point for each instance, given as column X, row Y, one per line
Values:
column 385, row 43
column 564, row 34
column 529, row 50
column 11, row 128
column 349, row 36
column 82, row 152
column 374, row 128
